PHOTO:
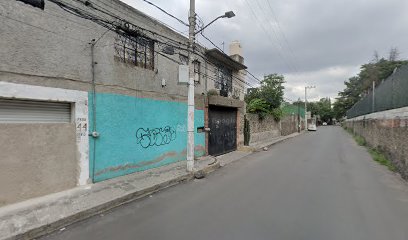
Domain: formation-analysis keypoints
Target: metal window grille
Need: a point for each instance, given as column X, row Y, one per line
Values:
column 138, row 51
column 223, row 80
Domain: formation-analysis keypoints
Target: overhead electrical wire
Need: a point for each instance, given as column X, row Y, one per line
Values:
column 112, row 25
column 121, row 12
column 267, row 34
column 281, row 31
column 164, row 11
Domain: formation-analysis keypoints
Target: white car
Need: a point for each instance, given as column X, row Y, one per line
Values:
column 312, row 127
column 324, row 123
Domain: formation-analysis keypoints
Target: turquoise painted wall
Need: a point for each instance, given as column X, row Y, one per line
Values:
column 138, row 134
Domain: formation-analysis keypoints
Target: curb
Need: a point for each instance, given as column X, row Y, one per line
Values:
column 66, row 221
column 260, row 148
column 54, row 226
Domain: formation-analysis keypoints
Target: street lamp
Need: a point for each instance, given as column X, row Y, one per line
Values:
column 307, row 87
column 190, row 95
column 228, row 14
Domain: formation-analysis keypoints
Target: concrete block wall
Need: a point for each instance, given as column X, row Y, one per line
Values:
column 387, row 131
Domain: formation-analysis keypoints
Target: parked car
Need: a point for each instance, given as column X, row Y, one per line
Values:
column 312, row 127
column 324, row 123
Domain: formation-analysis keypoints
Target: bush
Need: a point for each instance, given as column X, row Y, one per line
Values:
column 257, row 105
column 260, row 106
column 381, row 159
column 212, row 92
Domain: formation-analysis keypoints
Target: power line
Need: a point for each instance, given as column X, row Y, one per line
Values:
column 43, row 29
column 253, row 76
column 268, row 35
column 112, row 25
column 112, row 15
column 118, row 10
column 89, row 16
column 211, row 42
column 161, row 9
column 281, row 31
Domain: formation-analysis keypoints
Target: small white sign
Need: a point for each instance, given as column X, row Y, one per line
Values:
column 183, row 74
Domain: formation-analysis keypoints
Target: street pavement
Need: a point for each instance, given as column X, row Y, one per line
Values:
column 320, row 185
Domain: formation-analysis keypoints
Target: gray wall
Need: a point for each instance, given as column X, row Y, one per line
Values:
column 36, row 159
column 262, row 130
column 289, row 125
column 388, row 135
column 51, row 47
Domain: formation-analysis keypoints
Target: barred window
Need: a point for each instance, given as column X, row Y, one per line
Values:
column 138, row 51
column 223, row 80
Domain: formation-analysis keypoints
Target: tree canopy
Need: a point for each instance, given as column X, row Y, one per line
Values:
column 267, row 98
column 358, row 86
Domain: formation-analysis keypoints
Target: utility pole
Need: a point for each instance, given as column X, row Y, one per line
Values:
column 307, row 87
column 190, row 96
column 298, row 105
column 305, row 108
column 373, row 104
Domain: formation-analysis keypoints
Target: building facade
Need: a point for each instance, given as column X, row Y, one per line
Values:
column 92, row 90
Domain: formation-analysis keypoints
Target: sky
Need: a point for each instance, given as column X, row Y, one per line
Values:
column 311, row 42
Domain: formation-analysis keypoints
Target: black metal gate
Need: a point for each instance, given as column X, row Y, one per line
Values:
column 223, row 130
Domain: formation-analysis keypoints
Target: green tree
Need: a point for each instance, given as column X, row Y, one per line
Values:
column 325, row 110
column 268, row 97
column 358, row 86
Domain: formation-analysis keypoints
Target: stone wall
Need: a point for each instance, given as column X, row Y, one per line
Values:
column 289, row 125
column 387, row 132
column 262, row 130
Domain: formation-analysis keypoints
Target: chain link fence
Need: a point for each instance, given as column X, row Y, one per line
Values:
column 390, row 94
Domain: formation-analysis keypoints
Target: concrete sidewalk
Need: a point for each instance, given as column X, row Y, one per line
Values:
column 260, row 145
column 39, row 216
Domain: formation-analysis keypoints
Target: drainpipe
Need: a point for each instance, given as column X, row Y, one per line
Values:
column 94, row 134
column 206, row 77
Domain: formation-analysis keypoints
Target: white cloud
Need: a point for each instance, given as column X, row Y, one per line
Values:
column 327, row 82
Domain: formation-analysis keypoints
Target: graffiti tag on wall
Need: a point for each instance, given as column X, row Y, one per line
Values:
column 147, row 137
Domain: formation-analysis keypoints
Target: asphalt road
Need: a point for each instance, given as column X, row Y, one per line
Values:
column 320, row 185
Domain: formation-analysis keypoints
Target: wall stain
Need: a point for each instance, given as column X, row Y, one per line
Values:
column 137, row 165
column 181, row 155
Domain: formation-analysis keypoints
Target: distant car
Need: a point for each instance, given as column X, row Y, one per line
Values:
column 324, row 123
column 312, row 127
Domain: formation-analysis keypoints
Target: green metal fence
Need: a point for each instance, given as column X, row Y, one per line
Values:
column 390, row 94
column 293, row 109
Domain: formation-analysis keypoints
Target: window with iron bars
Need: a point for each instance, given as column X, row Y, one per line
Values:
column 138, row 51
column 223, row 80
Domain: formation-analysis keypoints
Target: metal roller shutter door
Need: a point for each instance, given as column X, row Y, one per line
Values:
column 28, row 111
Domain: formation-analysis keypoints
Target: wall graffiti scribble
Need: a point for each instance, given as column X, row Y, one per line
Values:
column 155, row 136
